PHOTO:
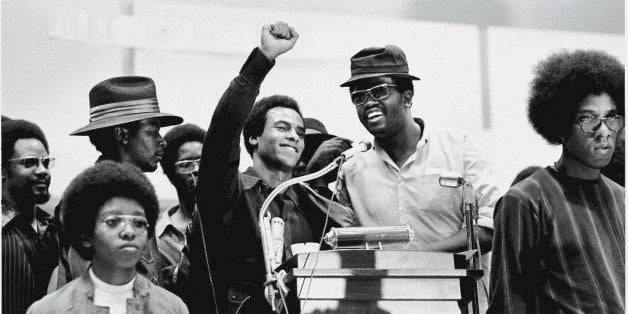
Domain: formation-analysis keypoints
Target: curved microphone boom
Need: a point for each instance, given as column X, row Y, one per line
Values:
column 269, row 291
column 359, row 148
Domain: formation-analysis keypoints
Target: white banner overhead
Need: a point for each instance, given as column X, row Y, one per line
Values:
column 203, row 28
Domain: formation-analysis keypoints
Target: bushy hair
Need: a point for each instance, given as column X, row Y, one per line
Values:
column 90, row 190
column 105, row 139
column 176, row 137
column 254, row 125
column 14, row 130
column 563, row 81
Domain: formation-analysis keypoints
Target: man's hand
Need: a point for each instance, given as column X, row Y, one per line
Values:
column 277, row 39
column 327, row 152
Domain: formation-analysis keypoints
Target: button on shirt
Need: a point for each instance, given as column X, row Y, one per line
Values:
column 384, row 194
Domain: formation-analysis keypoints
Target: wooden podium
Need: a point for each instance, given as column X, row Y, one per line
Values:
column 380, row 281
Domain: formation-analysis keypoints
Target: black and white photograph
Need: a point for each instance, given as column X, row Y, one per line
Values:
column 277, row 156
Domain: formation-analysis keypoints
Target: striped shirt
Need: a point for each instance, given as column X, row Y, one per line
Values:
column 27, row 261
column 559, row 246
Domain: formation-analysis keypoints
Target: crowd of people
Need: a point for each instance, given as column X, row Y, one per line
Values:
column 556, row 236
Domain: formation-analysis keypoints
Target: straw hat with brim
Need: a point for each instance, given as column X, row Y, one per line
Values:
column 377, row 61
column 121, row 100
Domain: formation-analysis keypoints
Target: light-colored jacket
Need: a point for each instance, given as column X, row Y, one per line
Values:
column 78, row 297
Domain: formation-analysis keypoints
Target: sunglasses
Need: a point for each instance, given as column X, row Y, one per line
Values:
column 592, row 124
column 187, row 166
column 379, row 92
column 32, row 161
column 117, row 223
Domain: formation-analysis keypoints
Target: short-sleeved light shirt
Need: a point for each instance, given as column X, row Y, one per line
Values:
column 383, row 194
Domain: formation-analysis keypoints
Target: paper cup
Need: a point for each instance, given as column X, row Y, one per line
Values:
column 308, row 247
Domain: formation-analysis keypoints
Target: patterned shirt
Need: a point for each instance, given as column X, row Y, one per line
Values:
column 27, row 260
column 559, row 246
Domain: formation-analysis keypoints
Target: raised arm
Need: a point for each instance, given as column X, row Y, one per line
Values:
column 218, row 175
column 218, row 187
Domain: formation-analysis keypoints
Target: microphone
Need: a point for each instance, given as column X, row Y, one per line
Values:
column 276, row 229
column 359, row 148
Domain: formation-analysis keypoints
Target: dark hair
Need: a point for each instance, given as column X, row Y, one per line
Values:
column 105, row 139
column 256, row 121
column 14, row 130
column 563, row 80
column 96, row 185
column 176, row 137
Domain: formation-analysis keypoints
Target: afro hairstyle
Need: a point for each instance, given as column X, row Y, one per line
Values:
column 13, row 130
column 96, row 185
column 176, row 137
column 563, row 80
column 254, row 125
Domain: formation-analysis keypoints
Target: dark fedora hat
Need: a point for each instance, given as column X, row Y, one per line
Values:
column 377, row 61
column 121, row 100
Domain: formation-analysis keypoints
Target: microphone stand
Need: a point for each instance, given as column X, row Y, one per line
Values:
column 470, row 208
column 471, row 219
column 272, row 277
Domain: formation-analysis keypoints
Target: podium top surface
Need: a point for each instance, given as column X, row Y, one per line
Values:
column 374, row 259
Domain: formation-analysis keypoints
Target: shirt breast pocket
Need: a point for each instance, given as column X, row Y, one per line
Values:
column 434, row 198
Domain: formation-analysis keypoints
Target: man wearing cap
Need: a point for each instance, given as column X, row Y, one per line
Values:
column 316, row 135
column 397, row 182
column 227, row 272
column 124, row 126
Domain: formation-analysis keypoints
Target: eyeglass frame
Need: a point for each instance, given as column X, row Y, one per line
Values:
column 125, row 221
column 40, row 161
column 581, row 121
column 369, row 94
column 197, row 163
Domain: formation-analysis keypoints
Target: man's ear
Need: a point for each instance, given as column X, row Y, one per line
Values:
column 407, row 98
column 122, row 135
column 86, row 241
column 4, row 174
column 254, row 140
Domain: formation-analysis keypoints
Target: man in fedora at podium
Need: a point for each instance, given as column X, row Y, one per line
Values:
column 124, row 126
column 397, row 182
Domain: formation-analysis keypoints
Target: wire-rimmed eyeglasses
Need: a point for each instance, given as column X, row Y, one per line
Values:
column 591, row 124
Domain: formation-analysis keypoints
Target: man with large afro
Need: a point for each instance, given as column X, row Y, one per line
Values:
column 559, row 234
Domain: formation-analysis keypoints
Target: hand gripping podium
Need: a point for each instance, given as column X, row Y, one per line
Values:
column 380, row 281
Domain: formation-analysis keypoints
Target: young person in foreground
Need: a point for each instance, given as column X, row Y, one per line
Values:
column 559, row 234
column 110, row 210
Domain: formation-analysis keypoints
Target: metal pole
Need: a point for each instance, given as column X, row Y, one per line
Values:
column 468, row 199
column 127, row 54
